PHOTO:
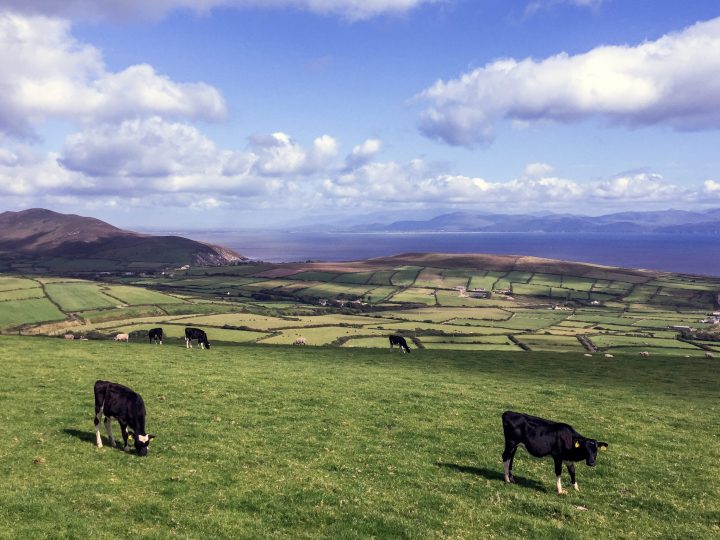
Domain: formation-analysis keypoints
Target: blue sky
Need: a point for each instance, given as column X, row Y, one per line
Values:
column 213, row 113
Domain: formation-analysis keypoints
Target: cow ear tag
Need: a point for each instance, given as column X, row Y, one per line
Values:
column 577, row 444
column 603, row 448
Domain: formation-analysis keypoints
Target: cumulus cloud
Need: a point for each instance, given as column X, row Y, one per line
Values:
column 141, row 148
column 25, row 172
column 48, row 74
column 144, row 10
column 278, row 154
column 674, row 80
column 363, row 153
column 711, row 187
column 417, row 182
column 639, row 186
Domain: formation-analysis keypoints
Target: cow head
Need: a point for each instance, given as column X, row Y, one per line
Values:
column 141, row 442
column 587, row 449
column 207, row 344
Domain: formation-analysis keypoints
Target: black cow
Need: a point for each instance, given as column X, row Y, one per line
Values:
column 156, row 335
column 117, row 401
column 199, row 335
column 400, row 342
column 542, row 438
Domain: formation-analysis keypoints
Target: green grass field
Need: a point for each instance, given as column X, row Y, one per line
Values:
column 298, row 442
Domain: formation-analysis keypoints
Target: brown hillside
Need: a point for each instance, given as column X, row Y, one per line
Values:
column 43, row 233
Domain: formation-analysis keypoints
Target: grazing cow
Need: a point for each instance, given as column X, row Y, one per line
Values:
column 709, row 355
column 69, row 336
column 542, row 438
column 122, row 337
column 156, row 335
column 300, row 341
column 400, row 342
column 199, row 335
column 117, row 401
column 645, row 353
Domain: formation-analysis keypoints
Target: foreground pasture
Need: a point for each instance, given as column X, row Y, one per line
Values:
column 267, row 441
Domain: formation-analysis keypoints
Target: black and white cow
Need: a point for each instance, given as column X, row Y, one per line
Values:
column 117, row 401
column 156, row 335
column 400, row 342
column 197, row 334
column 542, row 438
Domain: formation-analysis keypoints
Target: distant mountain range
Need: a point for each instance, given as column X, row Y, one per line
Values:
column 40, row 233
column 665, row 221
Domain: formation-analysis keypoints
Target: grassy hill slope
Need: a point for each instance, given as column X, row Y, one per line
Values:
column 325, row 443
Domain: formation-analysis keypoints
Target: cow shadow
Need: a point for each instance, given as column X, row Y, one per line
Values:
column 88, row 436
column 491, row 474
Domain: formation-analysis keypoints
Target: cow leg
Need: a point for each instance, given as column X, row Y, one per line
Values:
column 98, row 414
column 188, row 343
column 508, row 458
column 202, row 345
column 123, row 430
column 571, row 470
column 558, row 475
column 108, row 427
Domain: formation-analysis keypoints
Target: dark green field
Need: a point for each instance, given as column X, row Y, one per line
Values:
column 281, row 442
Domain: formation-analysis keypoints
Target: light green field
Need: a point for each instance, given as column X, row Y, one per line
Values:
column 79, row 296
column 501, row 339
column 331, row 290
column 485, row 280
column 430, row 278
column 17, row 312
column 541, row 342
column 101, row 315
column 22, row 294
column 405, row 276
column 10, row 283
column 139, row 296
column 415, row 296
column 301, row 442
column 453, row 299
column 609, row 341
column 432, row 346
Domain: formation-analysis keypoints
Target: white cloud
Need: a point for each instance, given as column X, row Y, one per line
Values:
column 711, row 187
column 363, row 153
column 641, row 186
column 538, row 170
column 537, row 5
column 140, row 149
column 674, row 80
column 48, row 74
column 416, row 182
column 278, row 154
column 24, row 172
column 142, row 9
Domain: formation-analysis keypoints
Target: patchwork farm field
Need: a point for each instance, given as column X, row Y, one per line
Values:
column 316, row 442
column 526, row 303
